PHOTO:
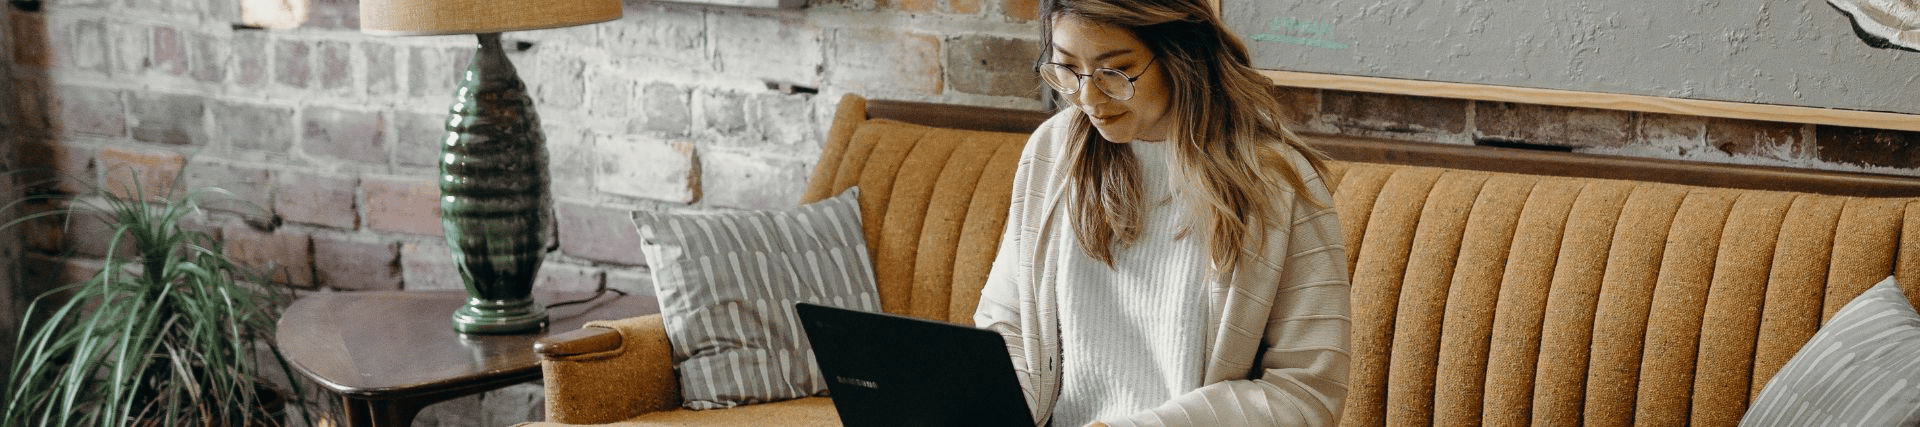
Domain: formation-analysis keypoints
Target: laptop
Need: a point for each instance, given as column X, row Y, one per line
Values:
column 888, row 370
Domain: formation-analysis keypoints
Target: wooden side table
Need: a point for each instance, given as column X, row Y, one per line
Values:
column 387, row 354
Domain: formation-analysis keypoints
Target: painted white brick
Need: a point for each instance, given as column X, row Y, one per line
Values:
column 751, row 45
column 675, row 35
column 643, row 167
column 879, row 60
column 742, row 178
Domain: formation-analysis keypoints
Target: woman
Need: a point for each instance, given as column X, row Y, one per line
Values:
column 1171, row 257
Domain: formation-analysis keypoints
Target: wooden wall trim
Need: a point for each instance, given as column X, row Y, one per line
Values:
column 1609, row 101
column 1493, row 159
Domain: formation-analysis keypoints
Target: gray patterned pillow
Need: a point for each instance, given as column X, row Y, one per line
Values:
column 1862, row 368
column 727, row 282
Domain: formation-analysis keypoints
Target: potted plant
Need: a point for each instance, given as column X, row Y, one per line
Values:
column 168, row 332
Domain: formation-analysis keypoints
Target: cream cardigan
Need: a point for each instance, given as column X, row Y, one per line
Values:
column 1278, row 353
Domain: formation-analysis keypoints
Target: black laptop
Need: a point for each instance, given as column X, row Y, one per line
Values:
column 888, row 370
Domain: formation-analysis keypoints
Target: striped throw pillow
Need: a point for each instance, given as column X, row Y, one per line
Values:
column 727, row 282
column 1861, row 369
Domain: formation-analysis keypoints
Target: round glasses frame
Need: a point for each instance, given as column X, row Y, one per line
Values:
column 1113, row 82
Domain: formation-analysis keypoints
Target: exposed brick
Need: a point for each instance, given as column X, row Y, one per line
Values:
column 130, row 46
column 345, row 134
column 30, row 39
column 1021, row 10
column 1552, row 125
column 990, row 65
column 799, row 43
column 1299, row 106
column 1765, row 139
column 292, row 63
column 743, row 179
column 92, row 111
column 1671, row 133
column 347, row 264
column 964, row 7
column 1875, row 147
column 1393, row 113
column 152, row 171
column 875, row 60
column 43, row 273
column 562, row 277
column 428, row 266
column 169, row 51
column 30, row 104
column 916, row 6
column 668, row 109
column 209, row 57
column 317, row 199
column 250, row 71
column 85, row 46
column 647, row 168
column 598, row 233
column 383, row 69
column 284, row 255
column 70, row 170
column 402, row 205
column 168, row 118
column 251, row 188
column 91, row 235
column 45, row 234
column 247, row 126
column 417, row 138
column 336, row 69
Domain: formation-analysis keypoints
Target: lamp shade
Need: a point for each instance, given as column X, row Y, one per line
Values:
column 433, row 17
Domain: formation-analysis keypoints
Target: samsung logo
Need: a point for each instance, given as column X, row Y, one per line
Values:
column 856, row 382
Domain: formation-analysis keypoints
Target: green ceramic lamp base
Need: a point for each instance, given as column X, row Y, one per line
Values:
column 499, row 317
column 494, row 201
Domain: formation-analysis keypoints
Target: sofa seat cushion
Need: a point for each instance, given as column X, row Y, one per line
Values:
column 804, row 412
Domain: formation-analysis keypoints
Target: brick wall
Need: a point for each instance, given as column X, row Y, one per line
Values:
column 332, row 131
column 1652, row 135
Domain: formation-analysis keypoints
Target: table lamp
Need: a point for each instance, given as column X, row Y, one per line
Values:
column 494, row 202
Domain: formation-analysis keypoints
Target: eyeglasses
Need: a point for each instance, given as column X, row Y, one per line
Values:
column 1114, row 83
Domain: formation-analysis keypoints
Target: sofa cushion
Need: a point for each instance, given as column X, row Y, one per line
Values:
column 727, row 282
column 1860, row 369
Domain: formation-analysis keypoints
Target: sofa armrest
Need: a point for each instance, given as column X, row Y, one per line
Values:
column 609, row 371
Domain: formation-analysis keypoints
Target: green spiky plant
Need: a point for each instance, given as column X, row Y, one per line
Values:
column 165, row 335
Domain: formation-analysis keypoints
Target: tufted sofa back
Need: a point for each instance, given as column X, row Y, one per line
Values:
column 933, row 201
column 1506, row 299
column 1479, row 297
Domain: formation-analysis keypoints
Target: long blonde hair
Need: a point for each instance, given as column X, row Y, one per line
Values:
column 1224, row 124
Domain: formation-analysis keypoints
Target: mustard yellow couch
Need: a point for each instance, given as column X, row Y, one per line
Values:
column 1491, row 286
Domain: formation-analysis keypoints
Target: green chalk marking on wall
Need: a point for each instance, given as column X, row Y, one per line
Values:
column 1300, row 32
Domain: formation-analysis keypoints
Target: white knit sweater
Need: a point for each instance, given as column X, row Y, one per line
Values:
column 1126, row 333
column 1275, row 351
